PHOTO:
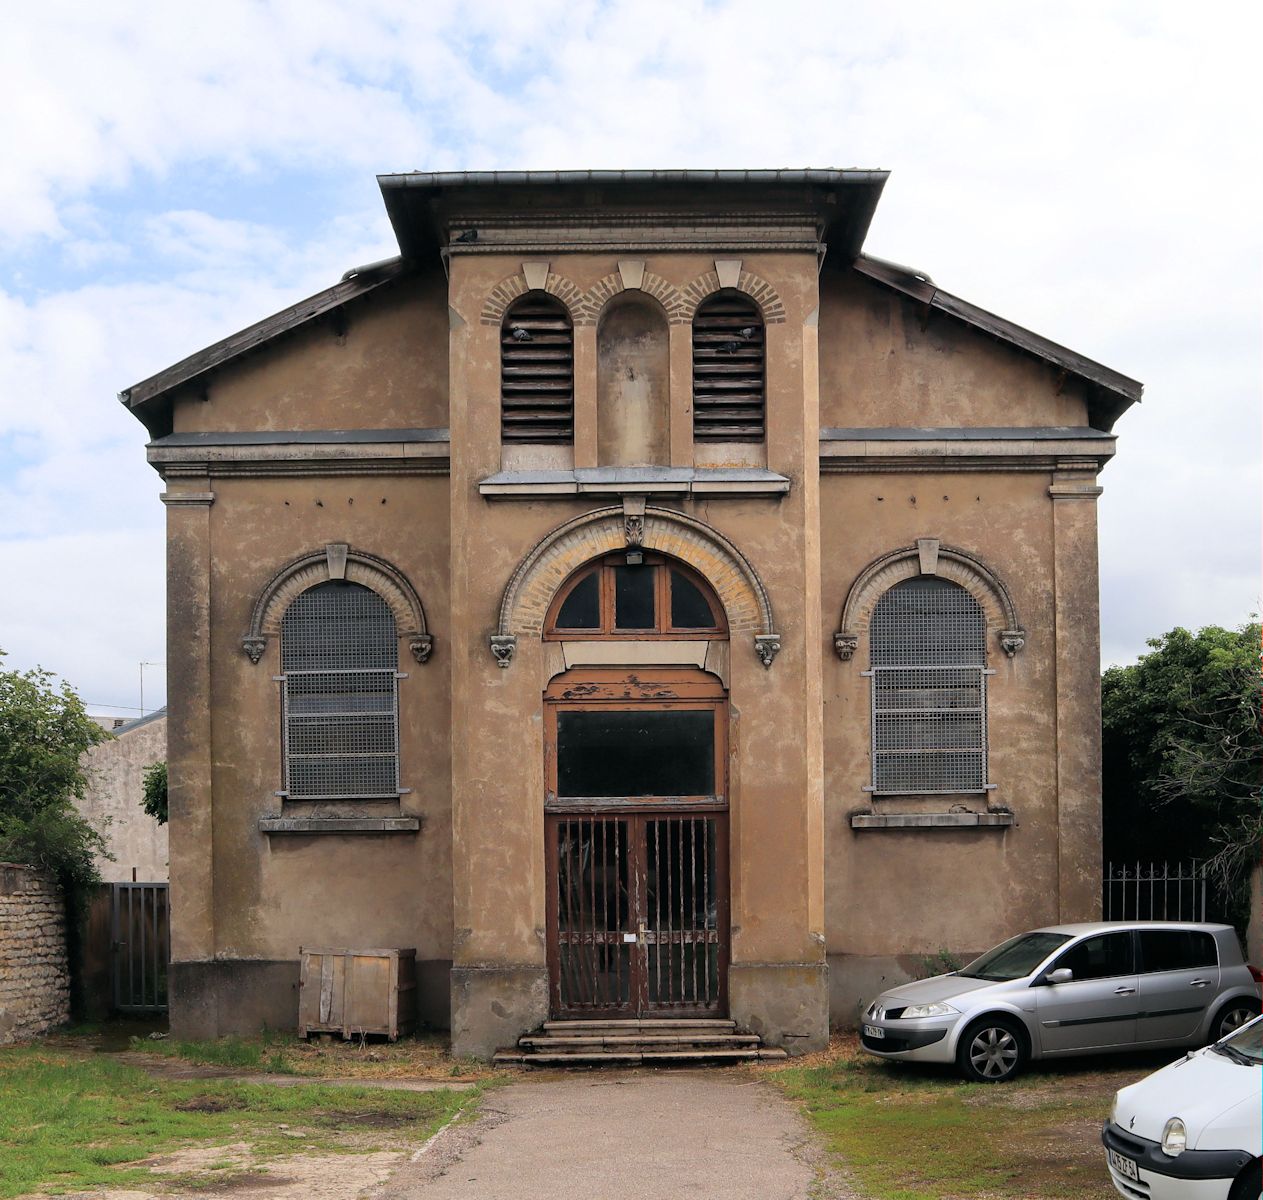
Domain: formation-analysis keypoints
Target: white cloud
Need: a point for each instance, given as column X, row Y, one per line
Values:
column 1087, row 170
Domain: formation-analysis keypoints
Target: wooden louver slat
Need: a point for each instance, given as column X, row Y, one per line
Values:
column 728, row 370
column 537, row 372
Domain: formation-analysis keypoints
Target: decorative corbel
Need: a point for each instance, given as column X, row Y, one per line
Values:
column 1012, row 640
column 634, row 520
column 502, row 647
column 254, row 647
column 845, row 644
column 421, row 645
column 767, row 646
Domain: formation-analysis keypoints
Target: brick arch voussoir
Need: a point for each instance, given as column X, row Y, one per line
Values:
column 308, row 570
column 757, row 288
column 954, row 565
column 604, row 290
column 533, row 585
column 508, row 290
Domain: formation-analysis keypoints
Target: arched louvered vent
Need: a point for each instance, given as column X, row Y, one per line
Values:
column 537, row 371
column 728, row 357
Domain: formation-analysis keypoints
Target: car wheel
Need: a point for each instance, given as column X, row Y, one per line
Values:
column 1249, row 1184
column 1232, row 1016
column 992, row 1050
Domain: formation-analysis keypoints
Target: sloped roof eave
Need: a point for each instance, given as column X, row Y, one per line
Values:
column 1120, row 391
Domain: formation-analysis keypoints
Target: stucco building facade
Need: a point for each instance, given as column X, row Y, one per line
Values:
column 635, row 599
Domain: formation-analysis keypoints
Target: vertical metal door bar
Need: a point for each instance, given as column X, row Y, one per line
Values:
column 657, row 896
column 590, row 935
column 706, row 901
column 605, row 912
column 678, row 938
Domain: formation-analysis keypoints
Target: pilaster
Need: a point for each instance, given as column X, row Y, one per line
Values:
column 189, row 741
column 1078, row 690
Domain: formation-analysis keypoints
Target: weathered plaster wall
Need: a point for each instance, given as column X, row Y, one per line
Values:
column 777, row 981
column 387, row 369
column 34, row 975
column 111, row 805
column 879, row 367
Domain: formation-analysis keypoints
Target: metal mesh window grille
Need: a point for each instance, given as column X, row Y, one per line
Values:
column 537, row 371
column 339, row 658
column 728, row 369
column 928, row 651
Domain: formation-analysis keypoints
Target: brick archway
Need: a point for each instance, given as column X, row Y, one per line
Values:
column 556, row 557
column 929, row 557
column 338, row 561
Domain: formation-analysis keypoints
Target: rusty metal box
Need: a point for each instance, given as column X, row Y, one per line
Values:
column 357, row 992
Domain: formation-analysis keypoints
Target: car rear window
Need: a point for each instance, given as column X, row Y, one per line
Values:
column 1176, row 950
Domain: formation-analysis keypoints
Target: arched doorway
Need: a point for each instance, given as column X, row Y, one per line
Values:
column 636, row 804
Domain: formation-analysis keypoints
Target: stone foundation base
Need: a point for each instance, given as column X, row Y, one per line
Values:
column 215, row 998
column 787, row 1004
column 493, row 1006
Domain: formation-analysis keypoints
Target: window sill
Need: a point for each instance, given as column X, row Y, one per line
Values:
column 624, row 481
column 965, row 820
column 319, row 825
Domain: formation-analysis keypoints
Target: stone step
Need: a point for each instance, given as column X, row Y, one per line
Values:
column 626, row 1059
column 642, row 1025
column 646, row 1040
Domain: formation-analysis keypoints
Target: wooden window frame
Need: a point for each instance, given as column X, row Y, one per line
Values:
column 662, row 630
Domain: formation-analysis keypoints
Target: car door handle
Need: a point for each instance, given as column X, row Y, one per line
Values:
column 1124, row 991
column 1200, row 983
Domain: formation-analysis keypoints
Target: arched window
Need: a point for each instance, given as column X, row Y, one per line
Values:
column 728, row 370
column 928, row 651
column 537, row 371
column 656, row 597
column 339, row 663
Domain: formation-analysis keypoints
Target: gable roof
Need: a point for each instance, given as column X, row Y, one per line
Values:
column 423, row 205
column 1110, row 393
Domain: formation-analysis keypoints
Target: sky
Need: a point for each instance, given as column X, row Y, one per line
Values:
column 171, row 173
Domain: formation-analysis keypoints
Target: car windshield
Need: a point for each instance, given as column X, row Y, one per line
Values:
column 1015, row 958
column 1246, row 1045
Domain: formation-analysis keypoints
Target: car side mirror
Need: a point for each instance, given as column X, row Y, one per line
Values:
column 1060, row 975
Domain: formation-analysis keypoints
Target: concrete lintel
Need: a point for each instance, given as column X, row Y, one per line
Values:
column 966, row 820
column 634, row 653
column 307, row 825
column 635, row 481
column 187, row 498
column 1074, row 491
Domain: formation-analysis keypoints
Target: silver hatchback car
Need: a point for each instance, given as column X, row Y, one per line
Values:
column 1070, row 989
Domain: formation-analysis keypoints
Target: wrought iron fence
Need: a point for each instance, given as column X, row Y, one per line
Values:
column 1155, row 891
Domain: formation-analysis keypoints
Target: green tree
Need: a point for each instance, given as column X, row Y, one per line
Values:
column 1183, row 751
column 44, row 732
column 154, row 794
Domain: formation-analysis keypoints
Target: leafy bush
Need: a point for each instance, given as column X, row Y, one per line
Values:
column 154, row 798
column 44, row 732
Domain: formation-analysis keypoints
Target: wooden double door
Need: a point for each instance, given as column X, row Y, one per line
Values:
column 637, row 847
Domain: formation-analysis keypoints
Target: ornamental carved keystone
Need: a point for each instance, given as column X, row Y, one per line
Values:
column 767, row 646
column 845, row 644
column 634, row 520
column 421, row 646
column 1012, row 640
column 254, row 647
column 502, row 647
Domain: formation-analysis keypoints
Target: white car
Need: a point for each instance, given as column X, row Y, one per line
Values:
column 1193, row 1130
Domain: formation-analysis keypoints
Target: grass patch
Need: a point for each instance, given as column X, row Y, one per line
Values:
column 69, row 1122
column 912, row 1133
column 425, row 1056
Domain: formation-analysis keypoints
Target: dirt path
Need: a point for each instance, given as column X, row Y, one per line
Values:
column 639, row 1135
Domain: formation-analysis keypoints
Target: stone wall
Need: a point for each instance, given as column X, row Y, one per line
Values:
column 34, row 975
column 116, row 771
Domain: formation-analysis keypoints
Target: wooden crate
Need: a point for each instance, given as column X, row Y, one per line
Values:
column 357, row 992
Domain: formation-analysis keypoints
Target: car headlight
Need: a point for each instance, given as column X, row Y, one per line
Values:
column 1174, row 1137
column 928, row 1010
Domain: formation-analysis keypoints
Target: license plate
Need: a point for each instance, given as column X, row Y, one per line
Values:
column 874, row 1031
column 1124, row 1166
